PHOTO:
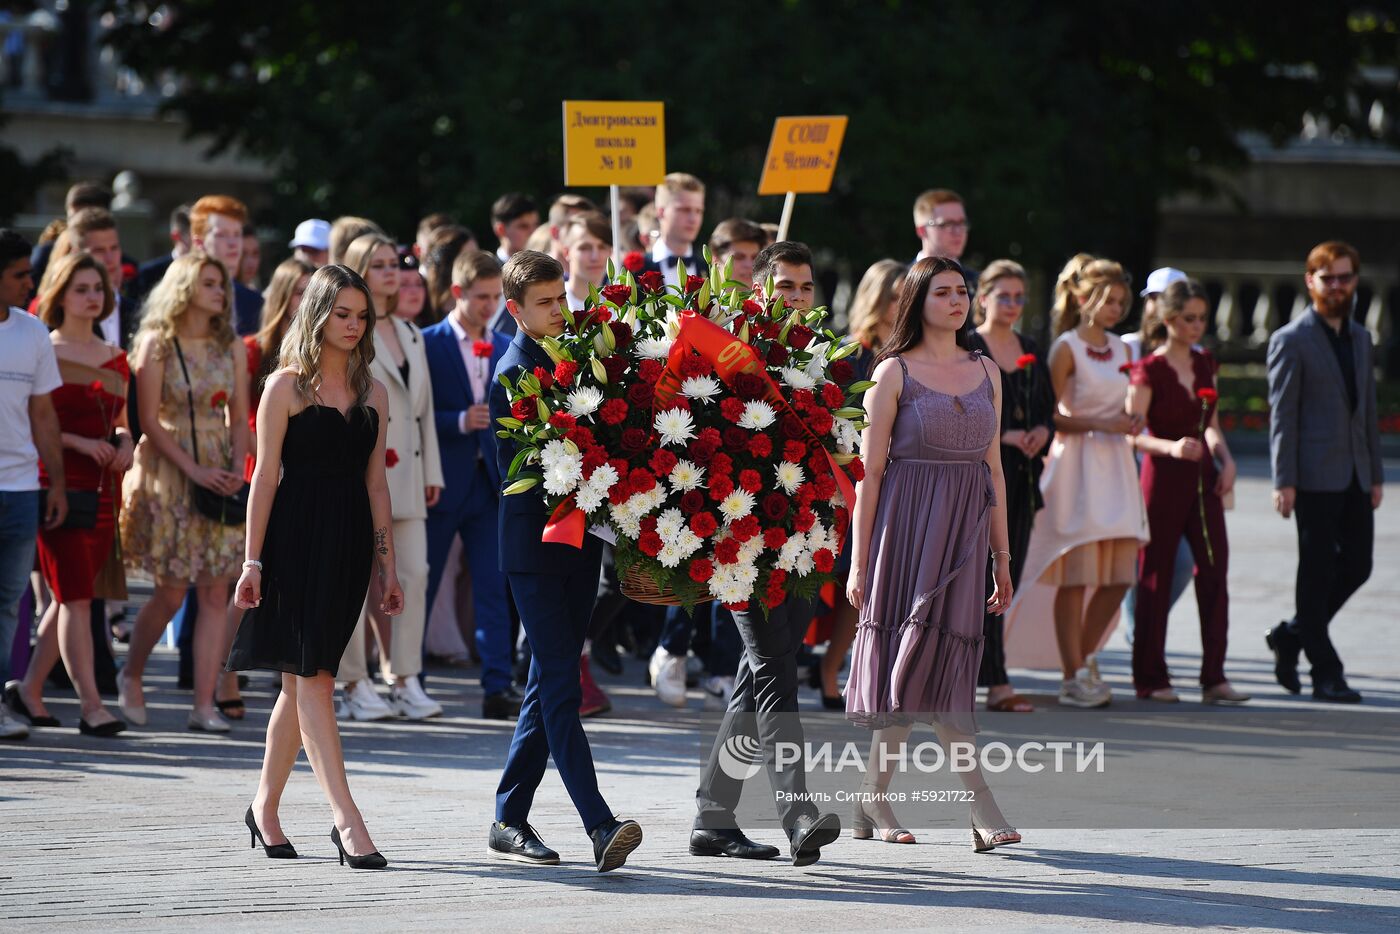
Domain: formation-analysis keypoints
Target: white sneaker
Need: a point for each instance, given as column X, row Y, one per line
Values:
column 1080, row 691
column 668, row 676
column 11, row 727
column 717, row 691
column 411, row 701
column 362, row 702
column 1091, row 664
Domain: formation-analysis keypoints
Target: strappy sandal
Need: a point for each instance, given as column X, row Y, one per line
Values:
column 984, row 841
column 863, row 827
column 233, row 709
column 1012, row 703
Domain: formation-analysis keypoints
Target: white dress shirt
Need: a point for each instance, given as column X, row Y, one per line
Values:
column 661, row 254
column 111, row 326
column 478, row 368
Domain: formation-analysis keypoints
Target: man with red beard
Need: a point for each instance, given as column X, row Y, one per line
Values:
column 1324, row 440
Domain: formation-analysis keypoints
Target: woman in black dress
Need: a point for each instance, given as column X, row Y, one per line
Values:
column 312, row 539
column 1027, row 426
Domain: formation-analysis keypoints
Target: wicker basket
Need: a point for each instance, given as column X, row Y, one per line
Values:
column 637, row 585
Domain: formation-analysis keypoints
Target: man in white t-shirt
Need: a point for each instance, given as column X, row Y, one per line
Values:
column 28, row 429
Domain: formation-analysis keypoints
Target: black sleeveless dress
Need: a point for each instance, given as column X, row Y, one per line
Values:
column 319, row 549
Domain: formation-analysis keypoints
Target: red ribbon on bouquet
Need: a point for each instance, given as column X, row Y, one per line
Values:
column 566, row 526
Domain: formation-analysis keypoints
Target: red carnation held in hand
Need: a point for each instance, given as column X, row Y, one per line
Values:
column 1207, row 395
column 1025, row 361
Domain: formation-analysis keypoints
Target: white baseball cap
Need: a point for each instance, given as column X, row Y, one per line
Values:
column 1159, row 279
column 314, row 234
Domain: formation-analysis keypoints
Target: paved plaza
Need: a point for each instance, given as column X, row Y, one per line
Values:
column 1284, row 815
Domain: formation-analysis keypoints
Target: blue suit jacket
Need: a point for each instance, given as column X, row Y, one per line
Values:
column 523, row 515
column 452, row 395
column 247, row 309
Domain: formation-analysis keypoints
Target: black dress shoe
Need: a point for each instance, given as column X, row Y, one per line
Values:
column 1284, row 644
column 606, row 658
column 613, row 841
column 810, row 834
column 16, row 703
column 706, row 842
column 110, row 728
column 1336, row 692
column 503, row 705
column 520, row 844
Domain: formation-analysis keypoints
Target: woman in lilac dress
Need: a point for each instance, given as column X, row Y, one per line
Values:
column 929, row 505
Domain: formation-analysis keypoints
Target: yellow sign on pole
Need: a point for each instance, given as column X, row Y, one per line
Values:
column 614, row 143
column 802, row 155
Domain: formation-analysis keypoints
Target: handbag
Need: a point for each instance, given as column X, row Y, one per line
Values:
column 82, row 509
column 226, row 510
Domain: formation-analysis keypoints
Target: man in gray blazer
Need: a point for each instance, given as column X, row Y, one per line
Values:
column 1324, row 440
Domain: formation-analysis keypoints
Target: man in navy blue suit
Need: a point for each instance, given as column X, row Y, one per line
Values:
column 462, row 354
column 680, row 210
column 554, row 586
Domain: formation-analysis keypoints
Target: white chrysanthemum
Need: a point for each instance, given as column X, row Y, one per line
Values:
column 590, row 497
column 553, row 453
column 603, row 477
column 790, row 476
column 704, row 388
column 727, row 587
column 651, row 499
column 676, row 426
column 749, row 552
column 669, row 523
column 797, row 379
column 627, row 518
column 654, row 348
column 791, row 550
column 585, row 401
column 560, row 480
column 804, row 565
column 562, row 469
column 688, row 542
column 736, row 505
column 669, row 555
column 686, row 476
column 757, row 416
column 746, row 572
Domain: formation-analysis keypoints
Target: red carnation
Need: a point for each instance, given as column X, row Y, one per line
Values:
column 621, row 466
column 649, row 371
column 777, row 355
column 774, row 506
column 703, row 524
column 545, row 377
column 741, row 607
column 693, row 283
column 736, row 440
column 746, row 528
column 822, row 421
column 641, row 394
column 641, row 480
column 663, row 462
column 803, row 399
column 614, row 411
column 482, row 348
column 634, row 261
column 563, row 421
column 824, row 560
column 693, row 365
column 842, row 371
column 825, row 485
column 748, row 386
column 760, row 446
column 709, row 435
column 750, row 481
column 1207, row 395
column 391, row 457
column 581, row 437
column 701, row 570
column 524, row 408
column 774, row 538
column 593, row 458
column 794, row 451
column 615, row 365
column 774, row 597
column 649, row 543
column 621, row 332
column 818, row 462
column 634, row 440
column 806, row 494
column 752, row 308
column 1025, row 361
column 652, row 281
column 564, row 372
column 619, row 493
column 722, row 464
column 218, row 400
column 857, row 469
column 692, row 501
column 832, row 395
column 648, row 523
column 617, row 293
column 727, row 551
column 731, row 408
column 720, row 487
column 804, row 520
column 799, row 336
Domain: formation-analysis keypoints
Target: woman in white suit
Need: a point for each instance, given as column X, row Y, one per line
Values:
column 415, row 481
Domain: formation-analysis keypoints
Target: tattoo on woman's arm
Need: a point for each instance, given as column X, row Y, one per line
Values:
column 381, row 542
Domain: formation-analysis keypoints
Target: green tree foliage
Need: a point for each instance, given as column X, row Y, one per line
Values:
column 1063, row 124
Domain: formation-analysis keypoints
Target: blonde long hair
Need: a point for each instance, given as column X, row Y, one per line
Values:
column 301, row 346
column 872, row 298
column 171, row 298
column 1083, row 280
column 360, row 253
column 276, row 312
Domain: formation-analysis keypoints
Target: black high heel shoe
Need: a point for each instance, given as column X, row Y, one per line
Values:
column 276, row 850
column 368, row 861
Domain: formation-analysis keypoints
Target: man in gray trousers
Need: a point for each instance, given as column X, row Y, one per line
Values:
column 1324, row 441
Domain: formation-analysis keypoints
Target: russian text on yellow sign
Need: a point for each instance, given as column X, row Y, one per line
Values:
column 614, row 143
column 802, row 155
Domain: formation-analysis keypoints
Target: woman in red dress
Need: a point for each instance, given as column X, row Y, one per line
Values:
column 1174, row 389
column 97, row 449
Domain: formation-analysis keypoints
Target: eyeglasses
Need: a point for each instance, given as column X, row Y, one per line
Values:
column 1017, row 300
column 949, row 225
column 1346, row 278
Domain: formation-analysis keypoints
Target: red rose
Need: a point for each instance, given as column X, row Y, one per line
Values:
column 777, row 355
column 731, row 408
column 822, row 421
column 746, row 528
column 736, row 440
column 641, row 394
column 634, row 440
column 621, row 332
column 617, row 293
column 703, row 524
column 727, row 551
column 794, row 451
column 391, row 457
column 581, row 437
column 760, row 446
column 615, row 365
column 792, row 428
column 694, row 365
column 701, row 570
column 750, row 481
column 722, row 464
column 524, row 408
column 545, row 377
column 641, row 480
column 563, row 421
column 693, row 283
column 663, row 462
column 1025, row 361
column 832, row 395
column 692, row 501
column 804, row 520
column 1207, row 395
column 774, row 538
column 482, row 348
column 649, row 543
column 748, row 386
column 720, row 487
column 598, row 314
column 564, row 372
column 614, row 411
column 649, row 371
column 700, row 451
column 774, row 506
column 770, row 331
column 634, row 261
column 842, row 371
column 218, row 400
column 652, row 281
column 799, row 336
column 824, row 560
column 857, row 469
column 752, row 308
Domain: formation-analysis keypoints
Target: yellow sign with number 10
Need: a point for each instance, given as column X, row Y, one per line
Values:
column 614, row 143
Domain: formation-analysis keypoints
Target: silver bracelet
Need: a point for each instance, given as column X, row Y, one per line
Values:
column 1007, row 553
column 253, row 563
